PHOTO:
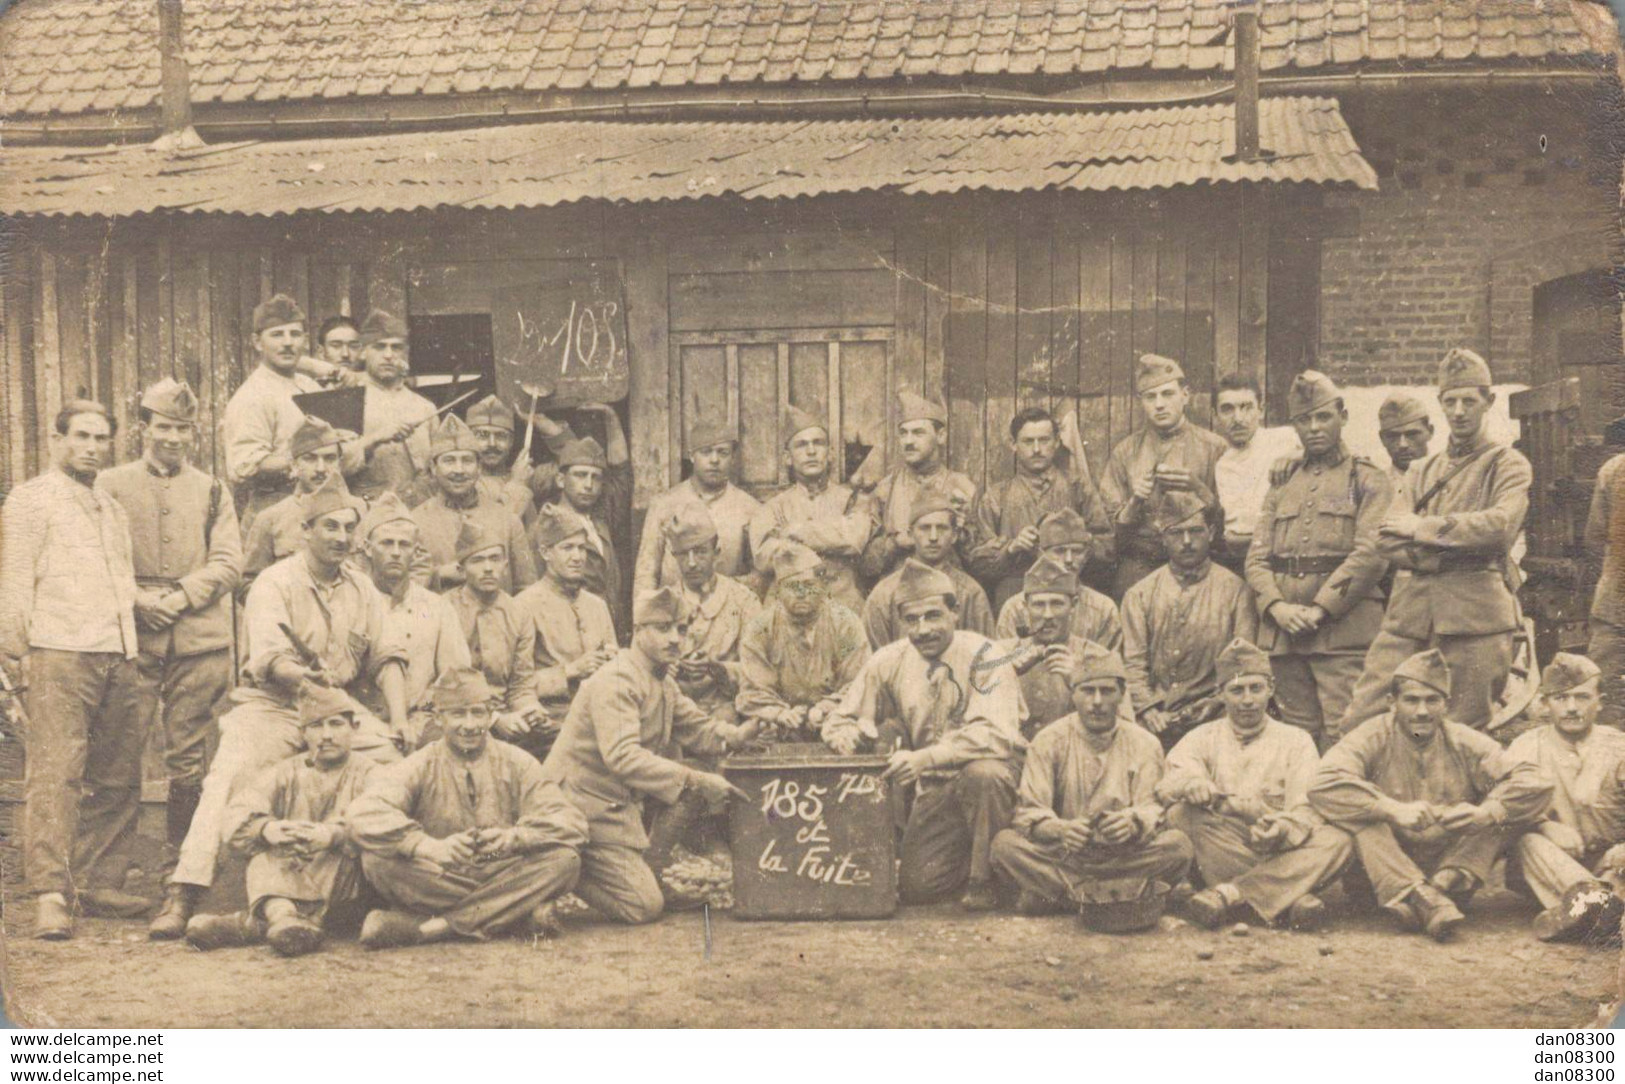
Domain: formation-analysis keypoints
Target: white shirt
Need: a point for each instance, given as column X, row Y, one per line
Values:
column 1243, row 476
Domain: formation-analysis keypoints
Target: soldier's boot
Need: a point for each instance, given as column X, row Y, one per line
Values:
column 208, row 932
column 1436, row 914
column 391, row 929
column 179, row 903
column 1456, row 883
column 111, row 903
column 52, row 919
column 1584, row 908
column 1207, row 909
column 980, row 896
column 1307, row 914
column 294, row 935
column 545, row 922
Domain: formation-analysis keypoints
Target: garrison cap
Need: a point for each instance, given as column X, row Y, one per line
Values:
column 793, row 559
column 460, row 687
column 689, row 526
column 1461, row 368
column 381, row 325
column 1154, row 370
column 1049, row 576
column 318, row 702
column 452, row 435
column 1062, row 527
column 473, row 538
column 663, row 604
column 1400, row 409
column 386, row 508
column 709, row 432
column 1310, row 391
column 1241, row 657
column 1427, row 667
column 313, row 433
column 585, row 452
column 1566, row 672
column 275, row 311
column 798, row 421
column 492, row 413
column 929, row 503
column 555, row 523
column 919, row 580
column 914, row 408
column 172, row 398
column 1176, row 507
column 1095, row 662
column 326, row 500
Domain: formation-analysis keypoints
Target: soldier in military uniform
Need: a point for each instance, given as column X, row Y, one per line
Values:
column 1170, row 453
column 1313, row 564
column 501, row 479
column 922, row 438
column 454, row 459
column 1405, row 429
column 188, row 558
column 712, row 447
column 1449, row 533
column 279, row 530
column 395, row 443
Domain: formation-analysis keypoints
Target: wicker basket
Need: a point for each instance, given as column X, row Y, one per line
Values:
column 1121, row 906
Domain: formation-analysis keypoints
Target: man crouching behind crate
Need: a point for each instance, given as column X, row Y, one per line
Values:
column 947, row 706
column 610, row 755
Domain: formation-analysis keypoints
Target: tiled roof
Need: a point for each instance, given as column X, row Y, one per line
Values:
column 78, row 56
column 540, row 165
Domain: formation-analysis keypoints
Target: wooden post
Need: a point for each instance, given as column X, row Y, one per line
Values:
column 177, row 96
column 1247, row 65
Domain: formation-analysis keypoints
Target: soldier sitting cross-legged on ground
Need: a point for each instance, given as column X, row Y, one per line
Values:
column 466, row 837
column 304, row 864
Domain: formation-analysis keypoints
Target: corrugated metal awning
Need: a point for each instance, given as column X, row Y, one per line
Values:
column 543, row 165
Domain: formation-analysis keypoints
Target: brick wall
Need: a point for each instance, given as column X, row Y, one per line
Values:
column 1473, row 212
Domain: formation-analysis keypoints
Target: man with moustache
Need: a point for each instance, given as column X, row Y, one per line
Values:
column 289, row 822
column 815, row 511
column 595, row 482
column 501, row 639
column 613, row 754
column 575, row 634
column 1431, row 803
column 1170, row 453
column 922, row 440
column 1449, row 534
column 340, row 342
column 1005, row 536
column 1065, row 538
column 396, row 419
column 68, row 638
column 261, row 416
column 933, row 536
column 946, row 706
column 1241, row 475
column 1314, row 566
column 1178, row 619
column 467, row 838
column 1043, row 658
column 708, row 670
column 279, row 530
column 188, row 557
column 1238, row 787
column 799, row 654
column 1572, row 859
column 712, row 448
column 1087, row 807
column 454, row 463
column 502, row 479
column 316, row 617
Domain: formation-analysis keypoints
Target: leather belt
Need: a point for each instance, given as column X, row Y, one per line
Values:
column 1468, row 562
column 1307, row 566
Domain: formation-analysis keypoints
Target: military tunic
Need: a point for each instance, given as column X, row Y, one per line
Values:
column 716, row 623
column 259, row 421
column 1005, row 510
column 834, row 522
column 1455, row 586
column 895, row 498
column 784, row 666
column 1316, row 544
column 426, row 627
column 731, row 511
column 567, row 627
column 511, row 493
column 392, row 466
column 184, row 536
column 436, row 793
column 501, row 640
column 1377, row 764
column 1049, row 695
column 609, row 757
column 1605, row 552
column 1173, row 632
column 440, row 524
column 298, row 789
column 884, row 625
column 1191, row 448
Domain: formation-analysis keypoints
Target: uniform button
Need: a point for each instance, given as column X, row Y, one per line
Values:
column 166, row 538
column 163, row 511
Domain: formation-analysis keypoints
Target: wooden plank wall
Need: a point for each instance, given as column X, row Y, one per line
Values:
column 991, row 303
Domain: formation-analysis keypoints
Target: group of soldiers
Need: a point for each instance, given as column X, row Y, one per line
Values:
column 409, row 686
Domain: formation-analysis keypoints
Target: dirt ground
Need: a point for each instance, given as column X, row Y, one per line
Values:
column 924, row 967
